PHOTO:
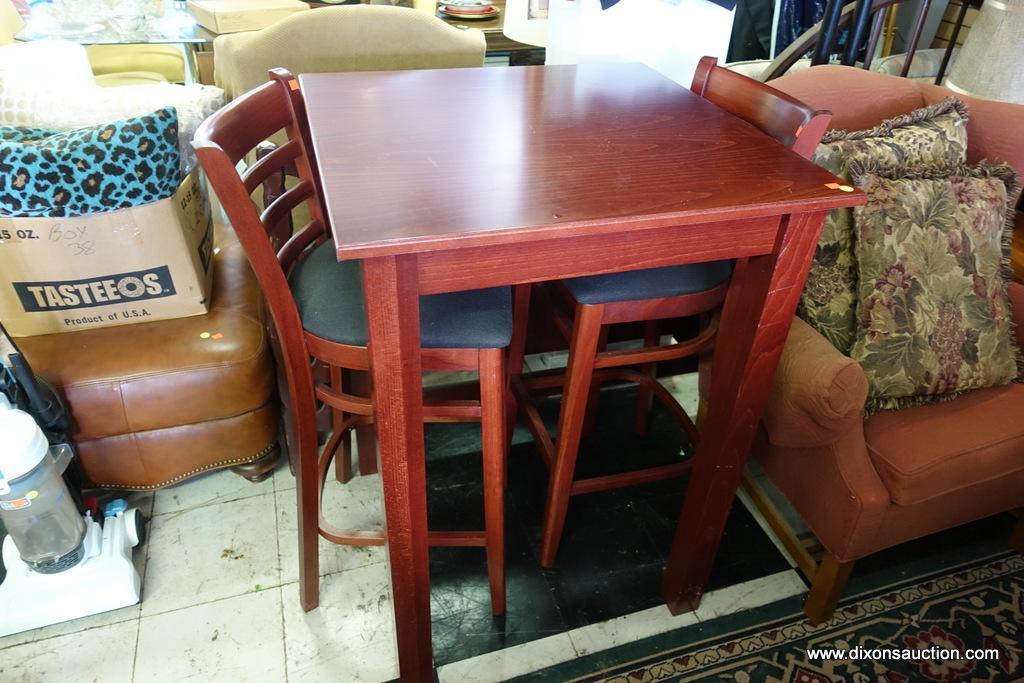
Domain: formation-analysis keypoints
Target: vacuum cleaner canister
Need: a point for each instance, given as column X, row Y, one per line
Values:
column 35, row 505
column 105, row 579
column 60, row 565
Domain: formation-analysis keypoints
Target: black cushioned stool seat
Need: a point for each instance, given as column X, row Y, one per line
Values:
column 329, row 296
column 650, row 283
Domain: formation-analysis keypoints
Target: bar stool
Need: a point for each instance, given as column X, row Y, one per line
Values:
column 317, row 308
column 644, row 296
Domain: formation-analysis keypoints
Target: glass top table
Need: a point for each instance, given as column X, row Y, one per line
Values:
column 112, row 23
column 115, row 22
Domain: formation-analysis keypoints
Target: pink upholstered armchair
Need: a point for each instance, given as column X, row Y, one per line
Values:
column 865, row 485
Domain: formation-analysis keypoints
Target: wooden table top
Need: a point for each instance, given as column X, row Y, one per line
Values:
column 424, row 160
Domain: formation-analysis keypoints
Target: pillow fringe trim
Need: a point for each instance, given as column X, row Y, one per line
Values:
column 885, row 128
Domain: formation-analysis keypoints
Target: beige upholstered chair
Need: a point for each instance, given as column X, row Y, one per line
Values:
column 350, row 38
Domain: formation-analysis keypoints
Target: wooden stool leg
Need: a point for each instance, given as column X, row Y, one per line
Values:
column 366, row 446
column 646, row 395
column 307, row 485
column 582, row 349
column 1017, row 535
column 495, row 447
column 520, row 321
column 343, row 458
column 590, row 419
column 366, row 435
column 517, row 348
column 826, row 589
column 511, row 419
column 704, row 362
column 324, row 414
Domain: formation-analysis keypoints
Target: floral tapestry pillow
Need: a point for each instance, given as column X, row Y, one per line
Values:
column 933, row 314
column 935, row 135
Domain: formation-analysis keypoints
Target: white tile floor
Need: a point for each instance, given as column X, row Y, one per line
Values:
column 220, row 597
column 220, row 600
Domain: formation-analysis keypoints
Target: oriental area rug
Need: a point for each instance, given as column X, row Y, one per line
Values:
column 977, row 604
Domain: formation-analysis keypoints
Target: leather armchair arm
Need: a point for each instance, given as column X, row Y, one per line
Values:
column 818, row 393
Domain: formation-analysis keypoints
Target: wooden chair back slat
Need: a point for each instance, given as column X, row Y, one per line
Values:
column 232, row 133
column 312, row 233
column 281, row 207
column 277, row 216
column 274, row 161
column 775, row 113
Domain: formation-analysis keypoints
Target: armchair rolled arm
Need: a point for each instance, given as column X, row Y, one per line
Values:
column 818, row 393
column 1017, row 304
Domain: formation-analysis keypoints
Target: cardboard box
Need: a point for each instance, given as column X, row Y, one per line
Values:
column 150, row 262
column 233, row 16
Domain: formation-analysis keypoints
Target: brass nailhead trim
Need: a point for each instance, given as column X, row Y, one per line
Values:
column 217, row 465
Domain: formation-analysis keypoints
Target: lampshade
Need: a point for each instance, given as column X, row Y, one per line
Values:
column 526, row 21
column 991, row 62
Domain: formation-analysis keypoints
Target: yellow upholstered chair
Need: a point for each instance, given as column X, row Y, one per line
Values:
column 112, row 61
column 350, row 38
column 10, row 22
column 129, row 78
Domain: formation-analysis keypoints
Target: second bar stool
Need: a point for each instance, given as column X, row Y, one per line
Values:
column 644, row 296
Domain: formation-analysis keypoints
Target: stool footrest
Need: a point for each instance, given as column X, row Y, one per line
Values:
column 634, row 478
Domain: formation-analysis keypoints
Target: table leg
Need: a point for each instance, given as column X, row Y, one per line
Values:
column 392, row 311
column 755, row 321
column 191, row 63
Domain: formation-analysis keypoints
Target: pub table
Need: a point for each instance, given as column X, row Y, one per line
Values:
column 446, row 180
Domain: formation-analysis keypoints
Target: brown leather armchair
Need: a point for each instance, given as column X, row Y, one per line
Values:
column 865, row 485
column 156, row 403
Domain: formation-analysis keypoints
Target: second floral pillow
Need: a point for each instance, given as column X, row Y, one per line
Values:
column 931, row 136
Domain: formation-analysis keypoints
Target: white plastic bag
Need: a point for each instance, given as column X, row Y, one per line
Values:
column 668, row 35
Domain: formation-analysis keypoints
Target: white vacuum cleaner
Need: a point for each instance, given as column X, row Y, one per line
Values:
column 60, row 564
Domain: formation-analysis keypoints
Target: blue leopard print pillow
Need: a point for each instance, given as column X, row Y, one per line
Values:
column 118, row 165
